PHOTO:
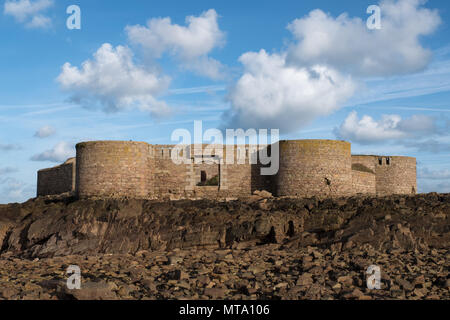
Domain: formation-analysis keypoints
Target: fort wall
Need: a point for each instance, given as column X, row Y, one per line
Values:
column 364, row 182
column 57, row 180
column 323, row 168
column 368, row 161
column 314, row 168
column 243, row 177
column 394, row 174
column 113, row 169
column 170, row 179
column 185, row 180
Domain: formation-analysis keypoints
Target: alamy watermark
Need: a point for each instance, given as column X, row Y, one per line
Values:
column 74, row 20
column 258, row 150
column 374, row 278
column 74, row 281
column 374, row 21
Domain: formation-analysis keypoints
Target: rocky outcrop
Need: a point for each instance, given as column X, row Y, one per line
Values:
column 258, row 248
column 46, row 228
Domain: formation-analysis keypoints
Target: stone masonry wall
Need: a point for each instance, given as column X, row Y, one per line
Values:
column 368, row 161
column 113, row 169
column 57, row 180
column 397, row 177
column 181, row 181
column 170, row 180
column 314, row 168
column 364, row 182
column 307, row 168
column 394, row 175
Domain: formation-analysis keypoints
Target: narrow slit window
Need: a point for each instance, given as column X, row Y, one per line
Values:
column 203, row 176
column 380, row 161
column 388, row 161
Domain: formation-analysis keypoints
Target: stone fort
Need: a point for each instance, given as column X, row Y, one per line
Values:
column 322, row 168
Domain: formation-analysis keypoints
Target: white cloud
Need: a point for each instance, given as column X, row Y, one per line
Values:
column 320, row 70
column 272, row 94
column 59, row 153
column 112, row 80
column 191, row 44
column 348, row 45
column 418, row 124
column 426, row 173
column 45, row 132
column 389, row 127
column 39, row 21
column 29, row 12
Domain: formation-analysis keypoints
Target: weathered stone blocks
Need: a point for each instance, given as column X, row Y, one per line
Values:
column 314, row 168
column 322, row 168
column 113, row 169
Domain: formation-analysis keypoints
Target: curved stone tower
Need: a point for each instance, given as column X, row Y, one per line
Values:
column 113, row 169
column 314, row 168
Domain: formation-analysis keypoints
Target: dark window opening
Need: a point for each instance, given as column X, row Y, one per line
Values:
column 291, row 229
column 214, row 181
column 380, row 161
column 328, row 181
column 203, row 176
column 388, row 161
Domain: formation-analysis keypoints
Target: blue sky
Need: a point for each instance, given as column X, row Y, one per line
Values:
column 300, row 66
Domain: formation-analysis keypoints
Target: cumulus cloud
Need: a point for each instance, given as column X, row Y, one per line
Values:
column 389, row 127
column 191, row 44
column 325, row 63
column 45, row 132
column 29, row 12
column 272, row 94
column 348, row 45
column 112, row 80
column 59, row 153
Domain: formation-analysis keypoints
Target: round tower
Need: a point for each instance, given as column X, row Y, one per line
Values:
column 314, row 168
column 113, row 169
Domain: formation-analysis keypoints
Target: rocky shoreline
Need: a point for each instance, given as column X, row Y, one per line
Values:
column 255, row 248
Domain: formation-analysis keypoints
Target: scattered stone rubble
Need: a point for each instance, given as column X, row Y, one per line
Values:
column 258, row 248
